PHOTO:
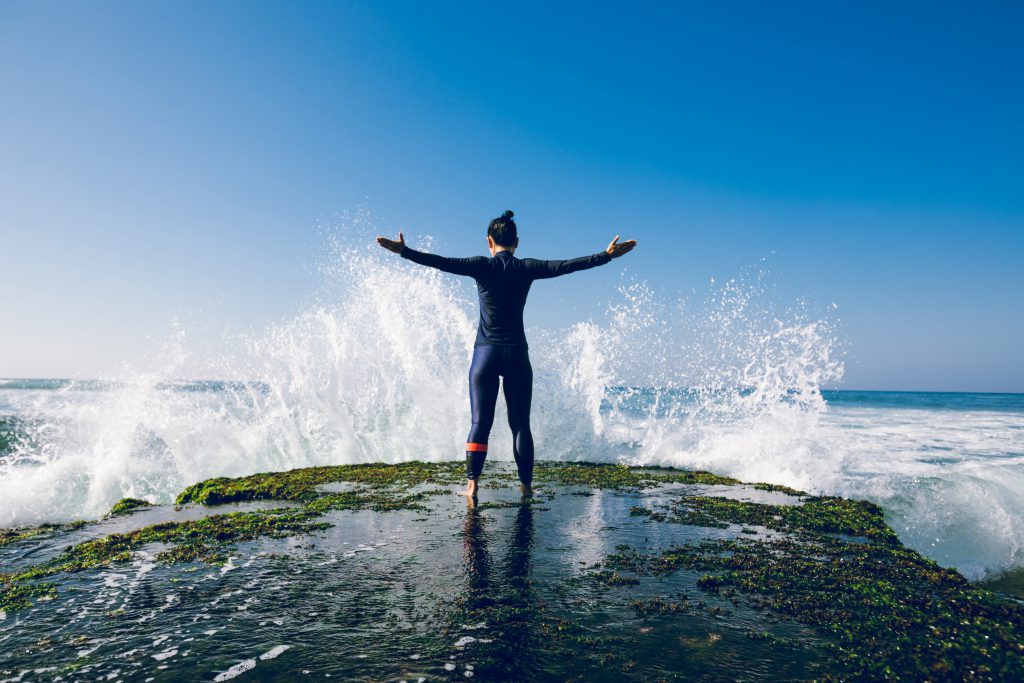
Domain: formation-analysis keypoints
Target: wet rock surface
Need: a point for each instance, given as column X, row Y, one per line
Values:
column 383, row 572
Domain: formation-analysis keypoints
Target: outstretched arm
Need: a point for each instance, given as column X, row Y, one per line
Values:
column 547, row 269
column 458, row 266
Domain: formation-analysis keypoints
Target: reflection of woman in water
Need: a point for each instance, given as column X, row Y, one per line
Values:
column 505, row 603
column 503, row 282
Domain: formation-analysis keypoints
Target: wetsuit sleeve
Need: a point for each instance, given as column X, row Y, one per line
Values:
column 471, row 266
column 541, row 270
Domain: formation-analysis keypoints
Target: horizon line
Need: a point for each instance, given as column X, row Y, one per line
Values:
column 235, row 381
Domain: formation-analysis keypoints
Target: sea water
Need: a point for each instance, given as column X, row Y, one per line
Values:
column 374, row 369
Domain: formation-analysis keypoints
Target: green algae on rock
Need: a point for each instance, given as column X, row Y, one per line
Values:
column 207, row 539
column 605, row 476
column 301, row 484
column 892, row 613
column 379, row 487
column 16, row 594
column 10, row 536
column 762, row 486
column 126, row 504
column 204, row 538
column 821, row 576
column 820, row 513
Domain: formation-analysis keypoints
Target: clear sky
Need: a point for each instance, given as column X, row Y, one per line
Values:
column 167, row 159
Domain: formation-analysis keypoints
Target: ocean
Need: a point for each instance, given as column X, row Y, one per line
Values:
column 373, row 369
column 947, row 468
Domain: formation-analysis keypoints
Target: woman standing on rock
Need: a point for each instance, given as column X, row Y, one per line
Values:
column 503, row 282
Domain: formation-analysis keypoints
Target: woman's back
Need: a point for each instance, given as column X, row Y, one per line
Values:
column 503, row 283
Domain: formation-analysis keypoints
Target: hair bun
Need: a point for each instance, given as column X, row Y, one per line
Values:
column 508, row 213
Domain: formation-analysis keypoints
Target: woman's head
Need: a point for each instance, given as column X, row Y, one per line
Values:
column 503, row 230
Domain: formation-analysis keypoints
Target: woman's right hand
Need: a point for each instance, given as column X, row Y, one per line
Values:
column 392, row 245
column 616, row 250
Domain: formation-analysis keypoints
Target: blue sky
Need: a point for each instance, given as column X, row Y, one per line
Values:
column 172, row 159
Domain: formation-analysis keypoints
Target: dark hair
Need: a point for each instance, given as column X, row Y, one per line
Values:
column 503, row 230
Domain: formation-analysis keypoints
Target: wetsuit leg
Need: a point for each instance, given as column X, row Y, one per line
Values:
column 483, row 395
column 517, row 382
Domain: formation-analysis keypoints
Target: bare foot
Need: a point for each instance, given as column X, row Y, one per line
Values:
column 526, row 489
column 471, row 489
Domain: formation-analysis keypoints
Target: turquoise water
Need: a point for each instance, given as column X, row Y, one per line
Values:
column 923, row 400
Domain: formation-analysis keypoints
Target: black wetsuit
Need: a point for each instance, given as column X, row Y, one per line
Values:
column 503, row 282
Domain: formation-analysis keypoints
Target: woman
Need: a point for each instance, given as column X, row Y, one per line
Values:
column 503, row 282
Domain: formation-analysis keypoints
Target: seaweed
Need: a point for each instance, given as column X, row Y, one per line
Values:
column 127, row 504
column 763, row 486
column 827, row 514
column 890, row 612
column 204, row 538
column 381, row 488
column 301, row 484
column 603, row 476
column 828, row 563
column 10, row 536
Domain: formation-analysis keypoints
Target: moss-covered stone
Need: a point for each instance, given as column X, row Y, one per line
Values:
column 301, row 484
column 8, row 536
column 126, row 504
column 891, row 613
column 364, row 499
column 638, row 511
column 660, row 605
column 824, row 513
column 17, row 594
column 828, row 563
column 192, row 539
column 379, row 487
column 780, row 488
column 613, row 578
column 205, row 539
column 605, row 476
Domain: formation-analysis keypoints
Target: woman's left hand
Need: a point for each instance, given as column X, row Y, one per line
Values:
column 392, row 245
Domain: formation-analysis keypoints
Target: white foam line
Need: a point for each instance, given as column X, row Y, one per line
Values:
column 466, row 640
column 236, row 670
column 274, row 651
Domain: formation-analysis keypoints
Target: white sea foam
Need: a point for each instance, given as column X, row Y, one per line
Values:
column 236, row 671
column 374, row 369
column 275, row 651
